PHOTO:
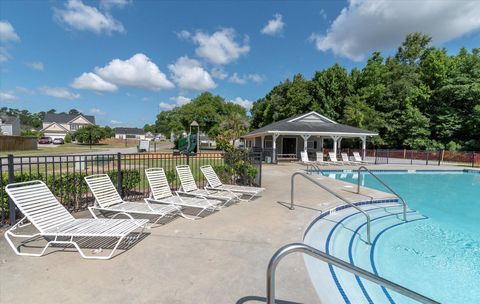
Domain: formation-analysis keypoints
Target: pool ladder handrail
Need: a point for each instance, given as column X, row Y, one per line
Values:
column 359, row 180
column 320, row 255
column 308, row 177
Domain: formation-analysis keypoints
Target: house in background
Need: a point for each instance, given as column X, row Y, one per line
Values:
column 59, row 125
column 9, row 125
column 129, row 133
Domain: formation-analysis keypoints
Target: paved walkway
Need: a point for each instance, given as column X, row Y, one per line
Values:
column 218, row 259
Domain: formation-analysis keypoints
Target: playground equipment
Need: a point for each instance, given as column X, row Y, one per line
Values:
column 187, row 145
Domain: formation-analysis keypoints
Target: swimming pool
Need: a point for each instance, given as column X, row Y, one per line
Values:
column 438, row 256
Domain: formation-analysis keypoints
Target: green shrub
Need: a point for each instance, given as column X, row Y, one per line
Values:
column 130, row 179
column 68, row 139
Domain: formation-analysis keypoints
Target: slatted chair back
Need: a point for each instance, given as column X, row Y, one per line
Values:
column 345, row 157
column 186, row 178
column 320, row 156
column 357, row 156
column 304, row 156
column 333, row 156
column 38, row 205
column 158, row 183
column 105, row 193
column 211, row 176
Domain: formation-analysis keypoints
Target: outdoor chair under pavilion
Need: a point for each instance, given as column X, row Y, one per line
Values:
column 214, row 183
column 345, row 159
column 322, row 162
column 334, row 160
column 162, row 194
column 358, row 158
column 54, row 223
column 189, row 186
column 107, row 199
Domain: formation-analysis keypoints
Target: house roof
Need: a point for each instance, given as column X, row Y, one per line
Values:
column 309, row 123
column 64, row 118
column 136, row 131
column 8, row 119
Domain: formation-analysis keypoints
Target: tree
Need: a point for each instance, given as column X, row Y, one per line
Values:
column 74, row 112
column 233, row 126
column 90, row 134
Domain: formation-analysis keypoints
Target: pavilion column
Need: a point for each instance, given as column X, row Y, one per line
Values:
column 263, row 142
column 340, row 143
column 335, row 143
column 364, row 146
column 274, row 146
column 305, row 141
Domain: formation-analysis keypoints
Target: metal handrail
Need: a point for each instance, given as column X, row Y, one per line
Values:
column 308, row 177
column 385, row 185
column 300, row 247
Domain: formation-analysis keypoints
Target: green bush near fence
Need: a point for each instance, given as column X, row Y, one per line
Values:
column 69, row 188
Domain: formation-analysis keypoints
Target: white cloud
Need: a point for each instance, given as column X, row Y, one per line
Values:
column 7, row 32
column 4, row 55
column 247, row 104
column 58, row 92
column 116, row 122
column 274, row 26
column 138, row 71
column 38, row 66
column 91, row 81
column 190, row 75
column 7, row 96
column 96, row 111
column 79, row 16
column 220, row 47
column 367, row 25
column 181, row 100
column 24, row 90
column 109, row 4
column 235, row 78
column 219, row 73
column 183, row 34
column 323, row 14
column 166, row 106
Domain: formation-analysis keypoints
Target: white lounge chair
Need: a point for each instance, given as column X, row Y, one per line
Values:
column 161, row 193
column 107, row 199
column 189, row 187
column 214, row 183
column 322, row 162
column 358, row 158
column 58, row 226
column 333, row 159
column 346, row 160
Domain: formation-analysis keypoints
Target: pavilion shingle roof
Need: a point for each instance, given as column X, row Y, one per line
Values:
column 308, row 126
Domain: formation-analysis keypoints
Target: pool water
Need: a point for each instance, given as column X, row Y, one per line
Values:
column 438, row 257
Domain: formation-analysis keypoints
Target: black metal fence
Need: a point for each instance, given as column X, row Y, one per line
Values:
column 64, row 174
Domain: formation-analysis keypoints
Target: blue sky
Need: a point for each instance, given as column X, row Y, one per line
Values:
column 126, row 60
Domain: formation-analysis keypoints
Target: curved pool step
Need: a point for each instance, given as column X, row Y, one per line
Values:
column 343, row 235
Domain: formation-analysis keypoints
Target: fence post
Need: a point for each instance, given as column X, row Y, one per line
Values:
column 473, row 159
column 260, row 177
column 388, row 156
column 188, row 159
column 440, row 156
column 119, row 173
column 11, row 179
column 428, row 154
column 375, row 155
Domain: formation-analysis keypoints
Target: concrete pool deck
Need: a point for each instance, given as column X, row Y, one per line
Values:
column 221, row 258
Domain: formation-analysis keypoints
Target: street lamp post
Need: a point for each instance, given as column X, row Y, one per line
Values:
column 195, row 124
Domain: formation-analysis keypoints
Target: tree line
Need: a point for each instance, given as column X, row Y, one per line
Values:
column 420, row 98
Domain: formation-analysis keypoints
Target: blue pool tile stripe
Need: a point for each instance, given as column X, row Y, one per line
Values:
column 350, row 252
column 327, row 243
column 372, row 251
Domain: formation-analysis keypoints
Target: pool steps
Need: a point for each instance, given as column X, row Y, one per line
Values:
column 343, row 235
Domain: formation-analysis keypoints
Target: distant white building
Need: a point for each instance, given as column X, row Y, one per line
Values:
column 9, row 125
column 129, row 133
column 59, row 125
